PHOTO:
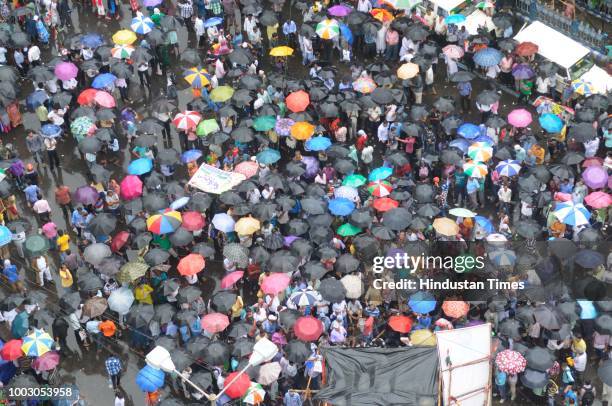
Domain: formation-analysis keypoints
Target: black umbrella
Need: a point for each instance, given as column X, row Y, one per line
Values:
column 397, row 158
column 20, row 39
column 603, row 324
column 572, row 158
column 99, row 173
column 216, row 353
column 250, row 82
column 239, row 56
column 259, row 254
column 274, row 241
column 163, row 105
column 181, row 237
column 102, row 224
column 239, row 329
column 268, row 18
column 170, row 286
column 367, row 246
column 150, row 125
column 170, row 23
column 509, row 328
column 382, row 233
column 397, row 219
column 502, row 20
column 549, row 317
column 346, row 263
column 141, row 315
column 89, row 282
column 199, row 201
column 204, row 249
column 164, row 313
column 223, row 301
column 313, row 206
column 301, row 248
column 197, row 345
column 297, row 352
column 605, row 372
column 528, row 228
column 582, row 132
column 243, row 134
column 167, row 342
column 168, row 156
column 382, row 96
column 487, row 97
column 191, row 57
column 105, row 135
column 585, row 115
column 539, row 359
column 314, row 270
column 451, row 123
column 562, row 171
column 417, row 33
column 142, row 240
column 242, row 347
column 495, row 121
column 105, row 114
column 332, row 290
column 122, row 69
column 428, row 210
column 361, row 218
column 320, row 235
column 589, row 259
column 534, row 379
column 84, row 111
column 156, row 256
column 40, row 74
column 462, row 76
column 138, row 224
column 188, row 294
column 444, row 105
column 230, row 198
column 282, row 261
column 62, row 98
column 154, row 202
column 8, row 74
column 186, row 316
column 424, row 193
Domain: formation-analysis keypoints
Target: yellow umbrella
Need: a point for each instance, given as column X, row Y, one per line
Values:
column 221, row 94
column 281, row 51
column 407, row 71
column 302, row 130
column 423, row 337
column 124, row 37
column 247, row 226
column 445, row 226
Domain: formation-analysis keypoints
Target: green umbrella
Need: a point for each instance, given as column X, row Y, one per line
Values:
column 132, row 271
column 348, row 229
column 354, row 180
column 20, row 325
column 206, row 127
column 264, row 123
column 81, row 126
column 36, row 245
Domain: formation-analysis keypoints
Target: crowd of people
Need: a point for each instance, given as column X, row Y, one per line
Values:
column 312, row 137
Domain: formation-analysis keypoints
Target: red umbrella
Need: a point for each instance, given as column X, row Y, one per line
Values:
column 308, row 328
column 119, row 240
column 214, row 322
column 87, row 96
column 401, row 324
column 455, row 308
column 230, row 279
column 297, row 101
column 193, row 221
column 104, row 99
column 46, row 362
column 12, row 350
column 385, row 204
column 191, row 264
column 275, row 283
column 511, row 362
column 236, row 385
column 526, row 48
column 131, row 187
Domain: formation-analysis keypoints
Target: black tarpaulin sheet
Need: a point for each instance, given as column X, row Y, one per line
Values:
column 380, row 376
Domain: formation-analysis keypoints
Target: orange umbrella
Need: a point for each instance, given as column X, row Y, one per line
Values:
column 302, row 130
column 526, row 48
column 87, row 96
column 297, row 101
column 455, row 308
column 401, row 324
column 385, row 204
column 382, row 15
column 191, row 264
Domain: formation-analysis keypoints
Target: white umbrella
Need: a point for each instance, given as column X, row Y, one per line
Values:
column 353, row 286
column 223, row 222
column 269, row 373
column 347, row 192
column 95, row 253
column 120, row 300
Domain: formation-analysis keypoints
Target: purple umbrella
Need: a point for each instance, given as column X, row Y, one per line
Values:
column 312, row 166
column 339, row 10
column 86, row 195
column 66, row 71
column 289, row 240
column 595, row 177
column 283, row 126
column 151, row 3
column 522, row 71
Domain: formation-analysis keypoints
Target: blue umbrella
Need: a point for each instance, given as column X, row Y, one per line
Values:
column 150, row 379
column 36, row 98
column 268, row 156
column 484, row 138
column 191, row 155
column 318, row 144
column 487, row 57
column 341, row 206
column 92, row 40
column 380, row 173
column 103, row 80
column 485, row 224
column 211, row 22
column 345, row 31
column 140, row 166
column 587, row 310
column 501, row 257
column 454, row 19
column 51, row 130
column 468, row 130
column 551, row 123
column 422, row 302
column 5, row 236
column 460, row 143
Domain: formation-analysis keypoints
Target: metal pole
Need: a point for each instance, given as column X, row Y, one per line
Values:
column 196, row 387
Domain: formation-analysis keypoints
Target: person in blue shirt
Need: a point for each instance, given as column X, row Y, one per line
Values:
column 465, row 91
column 371, row 310
column 77, row 220
column 270, row 325
column 31, row 193
column 500, row 382
column 566, row 186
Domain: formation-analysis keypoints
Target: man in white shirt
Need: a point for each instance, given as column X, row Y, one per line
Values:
column 34, row 55
column 44, row 273
column 505, row 197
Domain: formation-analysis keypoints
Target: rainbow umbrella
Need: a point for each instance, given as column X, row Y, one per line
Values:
column 122, row 51
column 364, row 84
column 221, row 94
column 164, row 223
column 197, row 78
column 37, row 343
column 328, row 29
column 475, row 169
column 480, row 151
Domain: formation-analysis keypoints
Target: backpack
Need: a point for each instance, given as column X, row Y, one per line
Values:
column 588, row 398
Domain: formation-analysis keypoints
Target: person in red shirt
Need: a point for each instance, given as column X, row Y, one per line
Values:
column 361, row 140
column 62, row 197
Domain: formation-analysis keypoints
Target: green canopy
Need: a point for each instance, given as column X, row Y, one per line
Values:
column 206, row 127
column 36, row 245
column 354, row 180
column 346, row 230
column 264, row 123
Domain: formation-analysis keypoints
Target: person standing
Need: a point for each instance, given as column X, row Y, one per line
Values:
column 44, row 272
column 35, row 145
column 60, row 332
column 50, row 146
column 114, row 369
column 465, row 93
column 63, row 198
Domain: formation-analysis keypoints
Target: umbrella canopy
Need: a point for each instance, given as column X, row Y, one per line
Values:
column 191, row 264
column 36, row 344
column 214, row 322
column 510, row 362
column 308, row 328
column 455, row 308
column 519, row 118
column 539, row 359
column 422, row 302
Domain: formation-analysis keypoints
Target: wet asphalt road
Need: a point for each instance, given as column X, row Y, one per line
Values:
column 86, row 370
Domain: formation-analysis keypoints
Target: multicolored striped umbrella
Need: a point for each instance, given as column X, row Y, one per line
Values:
column 364, row 84
column 475, row 169
column 480, row 151
column 142, row 25
column 122, row 51
column 164, row 223
column 37, row 343
column 255, row 394
column 573, row 214
column 381, row 15
column 187, row 120
column 583, row 87
column 380, row 188
column 508, row 168
column 328, row 29
column 197, row 78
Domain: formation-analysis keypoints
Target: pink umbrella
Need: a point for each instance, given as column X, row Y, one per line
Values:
column 275, row 283
column 279, row 338
column 66, row 70
column 46, row 362
column 247, row 168
column 192, row 221
column 519, row 118
column 339, row 10
column 230, row 279
column 131, row 187
column 598, row 200
column 595, row 177
column 104, row 99
column 214, row 322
